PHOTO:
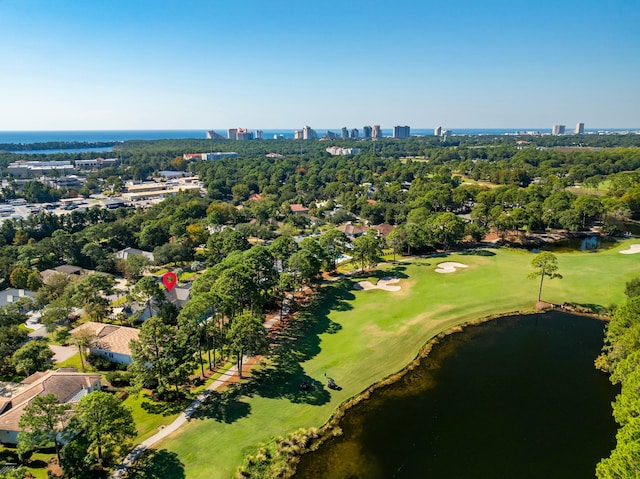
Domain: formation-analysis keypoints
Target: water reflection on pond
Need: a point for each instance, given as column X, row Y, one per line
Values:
column 516, row 397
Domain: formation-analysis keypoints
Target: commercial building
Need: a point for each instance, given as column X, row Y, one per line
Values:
column 558, row 130
column 338, row 151
column 579, row 129
column 96, row 164
column 149, row 190
column 25, row 168
column 216, row 155
column 401, row 131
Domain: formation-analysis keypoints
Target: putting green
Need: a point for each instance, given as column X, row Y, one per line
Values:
column 360, row 337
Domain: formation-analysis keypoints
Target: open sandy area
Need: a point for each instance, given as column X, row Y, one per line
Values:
column 386, row 284
column 449, row 267
column 633, row 249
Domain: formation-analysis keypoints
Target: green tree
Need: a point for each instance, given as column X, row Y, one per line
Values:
column 396, row 240
column 34, row 281
column 367, row 249
column 105, row 422
column 33, row 356
column 11, row 338
column 134, row 266
column 282, row 248
column 41, row 424
column 145, row 290
column 334, row 243
column 92, row 294
column 83, row 340
column 247, row 336
column 446, row 229
column 19, row 277
column 632, row 288
column 545, row 264
column 161, row 355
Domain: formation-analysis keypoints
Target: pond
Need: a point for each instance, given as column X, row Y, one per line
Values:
column 586, row 243
column 516, row 397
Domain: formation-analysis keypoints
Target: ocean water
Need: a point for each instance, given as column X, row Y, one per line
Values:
column 27, row 137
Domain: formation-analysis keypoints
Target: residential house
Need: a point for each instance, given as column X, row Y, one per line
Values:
column 67, row 385
column 111, row 341
column 383, row 229
column 298, row 209
column 13, row 295
column 352, row 231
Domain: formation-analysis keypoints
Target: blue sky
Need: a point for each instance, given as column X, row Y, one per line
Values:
column 138, row 64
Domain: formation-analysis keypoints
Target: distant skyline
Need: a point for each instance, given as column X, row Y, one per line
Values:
column 199, row 64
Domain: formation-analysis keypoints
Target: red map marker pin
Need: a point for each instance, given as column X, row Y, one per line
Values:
column 169, row 279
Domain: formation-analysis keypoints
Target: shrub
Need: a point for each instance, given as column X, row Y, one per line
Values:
column 101, row 363
column 119, row 378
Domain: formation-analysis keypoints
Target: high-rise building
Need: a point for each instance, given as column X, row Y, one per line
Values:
column 437, row 131
column 401, row 131
column 232, row 133
column 330, row 135
column 298, row 135
column 558, row 130
column 309, row 133
column 354, row 133
column 244, row 134
column 377, row 132
column 344, row 133
column 212, row 135
column 579, row 129
column 259, row 134
column 366, row 132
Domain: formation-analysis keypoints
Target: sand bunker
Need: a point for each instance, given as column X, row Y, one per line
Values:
column 449, row 267
column 633, row 249
column 384, row 283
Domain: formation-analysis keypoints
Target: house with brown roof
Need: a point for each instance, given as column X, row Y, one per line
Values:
column 383, row 229
column 352, row 231
column 110, row 341
column 69, row 386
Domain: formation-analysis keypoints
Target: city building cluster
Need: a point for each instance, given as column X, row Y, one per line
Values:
column 308, row 133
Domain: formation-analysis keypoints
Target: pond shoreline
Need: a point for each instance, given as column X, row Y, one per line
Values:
column 332, row 428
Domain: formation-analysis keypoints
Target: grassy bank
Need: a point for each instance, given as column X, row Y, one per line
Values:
column 360, row 337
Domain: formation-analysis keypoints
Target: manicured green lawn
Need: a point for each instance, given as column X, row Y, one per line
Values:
column 149, row 414
column 37, row 464
column 360, row 337
column 75, row 362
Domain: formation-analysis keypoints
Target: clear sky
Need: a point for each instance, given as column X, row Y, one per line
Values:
column 191, row 64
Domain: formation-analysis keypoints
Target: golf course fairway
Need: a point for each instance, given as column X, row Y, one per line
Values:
column 360, row 336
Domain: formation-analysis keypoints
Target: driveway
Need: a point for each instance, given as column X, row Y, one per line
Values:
column 62, row 353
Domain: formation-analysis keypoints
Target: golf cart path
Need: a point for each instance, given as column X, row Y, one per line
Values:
column 183, row 417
